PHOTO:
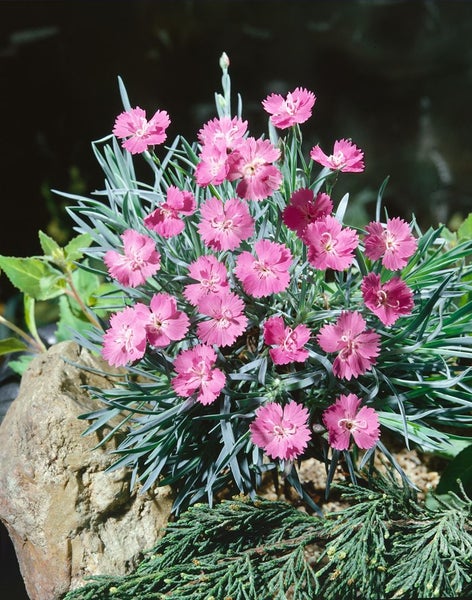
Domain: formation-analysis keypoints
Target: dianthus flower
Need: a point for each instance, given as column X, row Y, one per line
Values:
column 282, row 432
column 139, row 261
column 267, row 272
column 125, row 340
column 252, row 162
column 211, row 275
column 140, row 133
column 344, row 418
column 225, row 225
column 226, row 321
column 224, row 133
column 388, row 301
column 346, row 157
column 212, row 167
column 393, row 242
column 165, row 323
column 196, row 374
column 304, row 208
column 357, row 348
column 329, row 245
column 295, row 108
column 288, row 342
column 166, row 220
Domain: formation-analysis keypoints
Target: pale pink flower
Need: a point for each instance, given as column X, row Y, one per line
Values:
column 252, row 162
column 295, row 108
column 140, row 132
column 389, row 300
column 212, row 167
column 196, row 374
column 225, row 225
column 357, row 348
column 392, row 242
column 329, row 245
column 344, row 418
column 304, row 208
column 282, row 432
column 125, row 340
column 139, row 261
column 224, row 133
column 211, row 276
column 166, row 323
column 165, row 219
column 226, row 318
column 267, row 272
column 346, row 157
column 288, row 342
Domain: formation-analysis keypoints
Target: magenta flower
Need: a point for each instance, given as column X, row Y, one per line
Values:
column 357, row 348
column 196, row 374
column 166, row 220
column 252, row 163
column 329, row 245
column 281, row 432
column 226, row 321
column 212, row 167
column 267, row 272
column 165, row 323
column 225, row 225
column 343, row 419
column 388, row 301
column 125, row 340
column 288, row 342
column 392, row 242
column 139, row 261
column 304, row 208
column 346, row 157
column 140, row 133
column 224, row 133
column 212, row 278
column 295, row 108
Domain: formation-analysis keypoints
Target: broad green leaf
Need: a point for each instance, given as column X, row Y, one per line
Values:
column 459, row 468
column 29, row 305
column 465, row 230
column 49, row 246
column 33, row 276
column 69, row 321
column 74, row 249
column 9, row 345
column 19, row 366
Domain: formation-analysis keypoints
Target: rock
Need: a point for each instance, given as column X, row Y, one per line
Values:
column 67, row 518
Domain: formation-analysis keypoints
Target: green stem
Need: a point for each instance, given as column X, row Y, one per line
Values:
column 35, row 343
column 72, row 292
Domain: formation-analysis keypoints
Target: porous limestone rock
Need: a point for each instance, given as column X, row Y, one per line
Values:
column 67, row 518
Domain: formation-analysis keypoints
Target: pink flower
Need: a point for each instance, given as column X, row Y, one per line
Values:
column 225, row 225
column 329, row 245
column 295, row 108
column 165, row 220
column 211, row 276
column 289, row 342
column 343, row 419
column 132, row 124
column 224, row 133
column 139, row 261
column 304, row 209
column 388, row 301
column 251, row 162
column 165, row 323
column 346, row 157
column 125, row 340
column 267, row 272
column 212, row 167
column 357, row 348
column 393, row 242
column 281, row 432
column 226, row 321
column 196, row 375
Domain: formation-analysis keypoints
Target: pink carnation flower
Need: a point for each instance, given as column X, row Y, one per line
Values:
column 139, row 261
column 329, row 245
column 281, row 432
column 226, row 321
column 125, row 340
column 211, row 276
column 393, row 242
column 252, row 163
column 267, row 272
column 165, row 323
column 140, row 133
column 346, row 157
column 295, row 108
column 212, row 167
column 196, row 374
column 343, row 419
column 224, row 133
column 388, row 301
column 304, row 208
column 166, row 220
column 289, row 342
column 225, row 225
column 357, row 348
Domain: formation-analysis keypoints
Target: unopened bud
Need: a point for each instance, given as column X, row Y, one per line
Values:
column 224, row 61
